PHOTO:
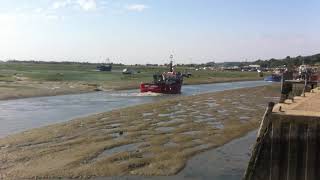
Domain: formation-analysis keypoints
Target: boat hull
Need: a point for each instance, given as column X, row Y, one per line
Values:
column 273, row 78
column 161, row 88
column 104, row 68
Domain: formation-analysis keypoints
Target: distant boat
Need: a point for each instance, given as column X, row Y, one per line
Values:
column 273, row 78
column 127, row 71
column 105, row 66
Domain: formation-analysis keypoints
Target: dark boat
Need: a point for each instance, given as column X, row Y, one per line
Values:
column 105, row 66
column 166, row 83
column 273, row 78
column 127, row 71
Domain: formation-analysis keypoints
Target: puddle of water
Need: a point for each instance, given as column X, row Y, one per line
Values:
column 202, row 120
column 192, row 133
column 222, row 111
column 165, row 129
column 115, row 125
column 210, row 100
column 211, row 105
column 182, row 116
column 170, row 144
column 180, row 112
column 164, row 115
column 207, row 114
column 244, row 119
column 167, row 123
column 199, row 117
column 276, row 98
column 198, row 141
column 245, row 108
column 176, row 120
column 147, row 114
column 262, row 106
column 193, row 112
column 119, row 134
column 217, row 125
column 124, row 148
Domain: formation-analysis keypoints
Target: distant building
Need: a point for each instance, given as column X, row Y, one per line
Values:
column 232, row 68
column 254, row 66
column 151, row 64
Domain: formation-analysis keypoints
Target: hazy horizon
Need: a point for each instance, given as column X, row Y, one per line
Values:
column 148, row 31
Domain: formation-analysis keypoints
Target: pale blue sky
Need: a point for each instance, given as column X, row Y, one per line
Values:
column 148, row 31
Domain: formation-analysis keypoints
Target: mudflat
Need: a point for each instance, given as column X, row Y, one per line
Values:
column 149, row 139
column 24, row 89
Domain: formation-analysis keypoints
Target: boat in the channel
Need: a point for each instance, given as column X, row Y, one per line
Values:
column 273, row 78
column 165, row 83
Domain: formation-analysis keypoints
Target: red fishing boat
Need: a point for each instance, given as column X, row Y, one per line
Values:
column 166, row 83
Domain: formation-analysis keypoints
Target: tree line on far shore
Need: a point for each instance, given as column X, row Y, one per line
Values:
column 270, row 63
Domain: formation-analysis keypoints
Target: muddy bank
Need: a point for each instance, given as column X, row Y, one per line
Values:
column 27, row 88
column 24, row 89
column 149, row 139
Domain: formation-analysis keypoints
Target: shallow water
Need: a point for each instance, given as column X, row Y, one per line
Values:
column 217, row 125
column 22, row 114
column 124, row 148
column 227, row 162
column 165, row 129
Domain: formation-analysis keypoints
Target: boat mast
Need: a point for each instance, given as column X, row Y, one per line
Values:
column 107, row 61
column 171, row 63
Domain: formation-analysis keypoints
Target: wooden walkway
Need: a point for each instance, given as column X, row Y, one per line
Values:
column 288, row 142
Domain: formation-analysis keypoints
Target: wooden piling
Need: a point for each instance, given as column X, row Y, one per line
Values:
column 293, row 152
column 262, row 133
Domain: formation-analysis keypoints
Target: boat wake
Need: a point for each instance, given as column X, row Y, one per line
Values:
column 147, row 94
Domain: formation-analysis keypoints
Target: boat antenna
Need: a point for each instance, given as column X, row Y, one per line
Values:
column 171, row 63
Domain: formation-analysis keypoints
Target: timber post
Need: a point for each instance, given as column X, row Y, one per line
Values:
column 265, row 123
